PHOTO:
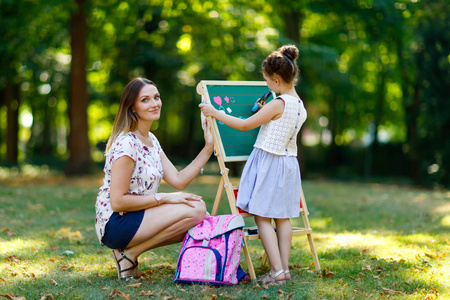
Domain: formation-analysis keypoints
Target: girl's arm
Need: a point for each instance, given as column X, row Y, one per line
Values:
column 271, row 111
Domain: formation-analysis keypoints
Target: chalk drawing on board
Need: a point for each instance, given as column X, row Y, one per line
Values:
column 234, row 98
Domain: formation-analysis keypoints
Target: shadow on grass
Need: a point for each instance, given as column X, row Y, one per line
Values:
column 371, row 240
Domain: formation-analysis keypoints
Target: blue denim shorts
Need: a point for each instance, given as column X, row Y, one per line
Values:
column 120, row 230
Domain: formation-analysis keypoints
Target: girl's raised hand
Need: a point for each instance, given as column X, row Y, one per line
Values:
column 207, row 109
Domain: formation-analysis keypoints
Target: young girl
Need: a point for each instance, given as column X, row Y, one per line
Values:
column 270, row 182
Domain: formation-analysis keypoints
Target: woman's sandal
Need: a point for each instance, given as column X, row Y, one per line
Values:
column 271, row 278
column 134, row 265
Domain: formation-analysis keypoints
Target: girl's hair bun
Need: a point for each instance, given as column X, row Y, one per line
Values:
column 290, row 51
column 282, row 62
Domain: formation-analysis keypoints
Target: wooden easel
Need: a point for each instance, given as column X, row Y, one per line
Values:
column 225, row 184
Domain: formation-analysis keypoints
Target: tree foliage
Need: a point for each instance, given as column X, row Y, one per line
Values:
column 374, row 73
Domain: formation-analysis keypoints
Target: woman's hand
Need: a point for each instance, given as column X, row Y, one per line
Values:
column 179, row 198
column 207, row 133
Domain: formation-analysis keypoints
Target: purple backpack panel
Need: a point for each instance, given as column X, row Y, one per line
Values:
column 210, row 253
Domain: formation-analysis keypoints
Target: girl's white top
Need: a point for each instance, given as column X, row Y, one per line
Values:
column 280, row 136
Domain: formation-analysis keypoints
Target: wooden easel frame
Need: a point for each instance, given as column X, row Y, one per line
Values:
column 225, row 184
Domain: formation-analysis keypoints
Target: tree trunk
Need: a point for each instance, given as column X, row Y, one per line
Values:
column 80, row 159
column 373, row 147
column 292, row 21
column 411, row 106
column 12, row 135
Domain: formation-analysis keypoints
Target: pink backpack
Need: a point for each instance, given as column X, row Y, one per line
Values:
column 210, row 253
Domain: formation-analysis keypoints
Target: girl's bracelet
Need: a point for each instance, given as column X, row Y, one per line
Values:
column 201, row 169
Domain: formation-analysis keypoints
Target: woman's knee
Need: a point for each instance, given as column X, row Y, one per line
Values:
column 198, row 213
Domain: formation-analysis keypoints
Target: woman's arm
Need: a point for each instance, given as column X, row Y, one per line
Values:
column 181, row 179
column 271, row 111
column 121, row 171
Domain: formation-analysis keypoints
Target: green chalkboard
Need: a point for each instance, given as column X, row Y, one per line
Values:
column 234, row 98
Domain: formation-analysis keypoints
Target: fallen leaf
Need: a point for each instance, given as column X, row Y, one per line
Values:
column 264, row 296
column 135, row 285
column 146, row 293
column 12, row 258
column 213, row 297
column 125, row 296
column 363, row 251
column 45, row 296
column 290, row 295
column 392, row 292
column 13, row 297
column 281, row 291
column 256, row 287
column 53, row 282
column 66, row 268
column 435, row 290
column 366, row 268
column 113, row 293
column 326, row 273
column 4, row 229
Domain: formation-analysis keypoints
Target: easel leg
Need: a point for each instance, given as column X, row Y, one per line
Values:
column 313, row 252
column 218, row 198
column 248, row 259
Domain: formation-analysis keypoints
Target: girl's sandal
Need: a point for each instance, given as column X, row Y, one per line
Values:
column 271, row 278
column 287, row 275
column 134, row 265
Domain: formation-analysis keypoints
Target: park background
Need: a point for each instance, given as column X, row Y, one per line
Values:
column 374, row 151
column 375, row 77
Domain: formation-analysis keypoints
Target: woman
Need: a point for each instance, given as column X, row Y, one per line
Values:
column 131, row 216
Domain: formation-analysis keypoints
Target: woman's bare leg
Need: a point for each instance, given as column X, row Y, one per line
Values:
column 162, row 225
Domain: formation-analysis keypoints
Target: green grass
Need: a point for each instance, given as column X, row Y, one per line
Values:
column 373, row 241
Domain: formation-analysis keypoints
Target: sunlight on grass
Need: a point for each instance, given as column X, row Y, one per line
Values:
column 385, row 246
column 445, row 221
column 19, row 246
column 320, row 223
column 373, row 241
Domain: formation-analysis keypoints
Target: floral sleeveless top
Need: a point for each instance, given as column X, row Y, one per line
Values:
column 145, row 179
